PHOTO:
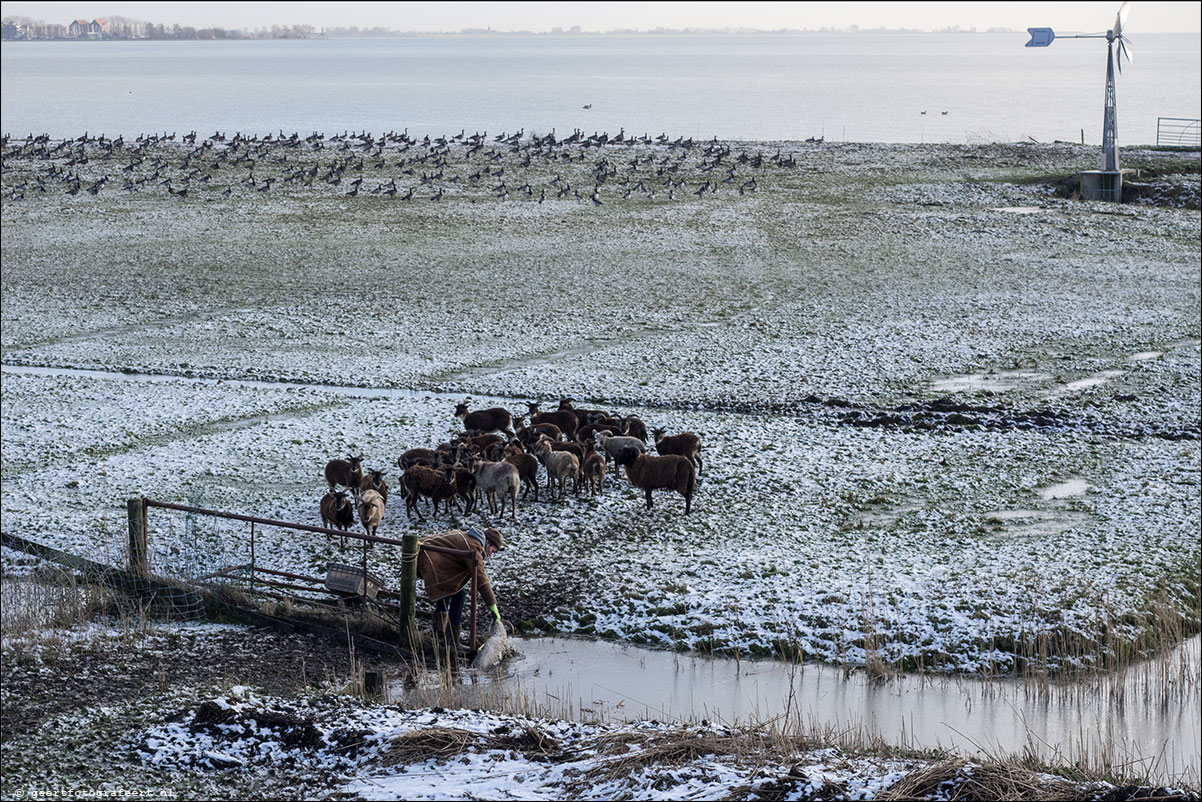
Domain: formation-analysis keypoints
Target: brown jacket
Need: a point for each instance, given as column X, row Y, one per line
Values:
column 444, row 574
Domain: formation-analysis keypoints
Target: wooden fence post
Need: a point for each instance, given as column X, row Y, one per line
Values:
column 139, row 555
column 408, row 599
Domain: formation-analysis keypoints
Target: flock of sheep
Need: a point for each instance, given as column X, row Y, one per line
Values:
column 499, row 455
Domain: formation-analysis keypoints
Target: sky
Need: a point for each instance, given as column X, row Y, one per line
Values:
column 1148, row 17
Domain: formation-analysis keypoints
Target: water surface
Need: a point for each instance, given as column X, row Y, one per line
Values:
column 856, row 87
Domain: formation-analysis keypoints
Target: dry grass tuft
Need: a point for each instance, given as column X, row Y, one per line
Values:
column 530, row 741
column 444, row 743
column 959, row 780
column 429, row 742
column 617, row 760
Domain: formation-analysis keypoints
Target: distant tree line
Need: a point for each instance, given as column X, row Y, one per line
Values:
column 27, row 29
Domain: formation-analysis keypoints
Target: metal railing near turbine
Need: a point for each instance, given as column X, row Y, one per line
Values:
column 1180, row 132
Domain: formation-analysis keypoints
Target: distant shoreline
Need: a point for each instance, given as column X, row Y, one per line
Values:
column 246, row 36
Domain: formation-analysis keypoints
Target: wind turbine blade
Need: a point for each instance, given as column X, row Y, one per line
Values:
column 1125, row 49
column 1120, row 19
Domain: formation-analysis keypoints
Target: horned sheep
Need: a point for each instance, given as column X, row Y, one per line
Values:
column 496, row 419
column 672, row 472
column 685, row 444
column 346, row 472
column 498, row 480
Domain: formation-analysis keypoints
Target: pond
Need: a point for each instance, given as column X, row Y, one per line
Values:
column 1147, row 715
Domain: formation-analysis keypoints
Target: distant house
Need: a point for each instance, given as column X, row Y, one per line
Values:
column 82, row 29
column 10, row 32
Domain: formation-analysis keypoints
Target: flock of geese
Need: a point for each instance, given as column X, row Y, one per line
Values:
column 598, row 168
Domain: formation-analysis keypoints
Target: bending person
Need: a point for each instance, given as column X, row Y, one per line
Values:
column 448, row 577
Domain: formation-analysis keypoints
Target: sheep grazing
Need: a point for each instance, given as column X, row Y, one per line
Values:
column 496, row 419
column 498, row 479
column 610, row 446
column 371, row 511
column 374, row 480
column 593, row 471
column 565, row 419
column 337, row 512
column 686, row 445
column 346, row 472
column 672, row 472
column 418, row 482
column 560, row 465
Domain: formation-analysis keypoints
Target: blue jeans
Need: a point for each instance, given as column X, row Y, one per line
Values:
column 454, row 605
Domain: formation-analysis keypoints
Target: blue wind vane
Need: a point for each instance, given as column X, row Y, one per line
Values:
column 1042, row 37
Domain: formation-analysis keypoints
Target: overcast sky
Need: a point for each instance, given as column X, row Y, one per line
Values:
column 1148, row 17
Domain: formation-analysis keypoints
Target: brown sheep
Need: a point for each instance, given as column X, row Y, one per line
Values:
column 633, row 426
column 527, row 466
column 419, row 482
column 686, row 444
column 417, row 456
column 374, row 480
column 337, row 512
column 574, row 449
column 346, row 472
column 588, row 432
column 371, row 511
column 565, row 419
column 496, row 419
column 594, row 472
column 465, row 488
column 672, row 472
column 528, row 435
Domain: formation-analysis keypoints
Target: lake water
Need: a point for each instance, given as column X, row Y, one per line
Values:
column 855, row 87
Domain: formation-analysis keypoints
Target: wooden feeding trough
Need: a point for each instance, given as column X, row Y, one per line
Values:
column 350, row 580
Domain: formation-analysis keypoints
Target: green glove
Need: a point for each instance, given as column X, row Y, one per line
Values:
column 495, row 612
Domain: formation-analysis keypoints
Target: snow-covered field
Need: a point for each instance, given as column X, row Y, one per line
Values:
column 1054, row 510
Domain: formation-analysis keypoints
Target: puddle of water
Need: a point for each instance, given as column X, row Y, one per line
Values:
column 995, row 382
column 1019, row 209
column 1144, row 356
column 1013, row 524
column 1151, row 710
column 1087, row 382
column 1066, row 489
